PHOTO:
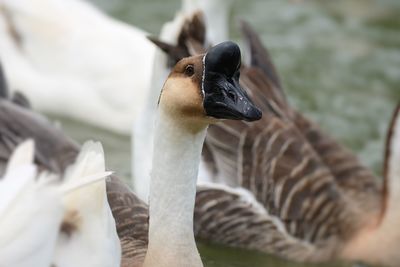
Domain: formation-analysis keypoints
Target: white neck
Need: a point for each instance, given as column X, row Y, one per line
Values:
column 217, row 21
column 216, row 16
column 176, row 158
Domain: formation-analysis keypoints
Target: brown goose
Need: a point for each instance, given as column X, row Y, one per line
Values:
column 194, row 95
column 318, row 190
column 288, row 188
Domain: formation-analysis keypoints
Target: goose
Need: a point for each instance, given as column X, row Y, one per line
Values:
column 186, row 23
column 61, row 54
column 46, row 222
column 199, row 91
column 41, row 42
column 191, row 20
column 325, row 201
column 289, row 189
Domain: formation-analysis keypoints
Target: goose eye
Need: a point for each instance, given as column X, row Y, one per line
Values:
column 189, row 70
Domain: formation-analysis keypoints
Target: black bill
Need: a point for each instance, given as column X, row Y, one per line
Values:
column 223, row 96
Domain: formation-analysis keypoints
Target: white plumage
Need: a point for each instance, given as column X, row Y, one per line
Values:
column 33, row 208
column 30, row 213
column 71, row 59
column 94, row 242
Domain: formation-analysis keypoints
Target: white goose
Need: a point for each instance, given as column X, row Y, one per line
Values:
column 46, row 222
column 70, row 59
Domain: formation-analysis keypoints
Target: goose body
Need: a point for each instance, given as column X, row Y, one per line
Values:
column 321, row 200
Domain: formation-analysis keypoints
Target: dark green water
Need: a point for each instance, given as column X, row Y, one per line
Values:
column 339, row 62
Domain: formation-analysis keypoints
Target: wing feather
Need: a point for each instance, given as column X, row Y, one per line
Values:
column 233, row 217
column 313, row 185
column 131, row 218
column 54, row 151
column 355, row 180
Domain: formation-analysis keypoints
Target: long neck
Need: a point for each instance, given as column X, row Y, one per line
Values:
column 176, row 158
column 217, row 20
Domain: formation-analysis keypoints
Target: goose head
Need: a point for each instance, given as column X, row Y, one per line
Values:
column 205, row 88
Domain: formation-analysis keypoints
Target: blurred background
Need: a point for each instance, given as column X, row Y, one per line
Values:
column 339, row 62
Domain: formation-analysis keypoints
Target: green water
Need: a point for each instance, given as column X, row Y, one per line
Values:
column 339, row 62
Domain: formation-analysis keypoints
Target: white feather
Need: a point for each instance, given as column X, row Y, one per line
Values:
column 216, row 17
column 72, row 52
column 32, row 209
column 30, row 214
column 95, row 243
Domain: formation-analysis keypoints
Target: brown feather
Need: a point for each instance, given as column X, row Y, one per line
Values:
column 191, row 40
column 260, row 57
column 231, row 218
column 299, row 174
column 131, row 218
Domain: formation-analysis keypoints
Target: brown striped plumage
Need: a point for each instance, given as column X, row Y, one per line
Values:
column 357, row 182
column 131, row 217
column 313, row 185
column 354, row 180
column 292, row 184
column 54, row 150
column 232, row 217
